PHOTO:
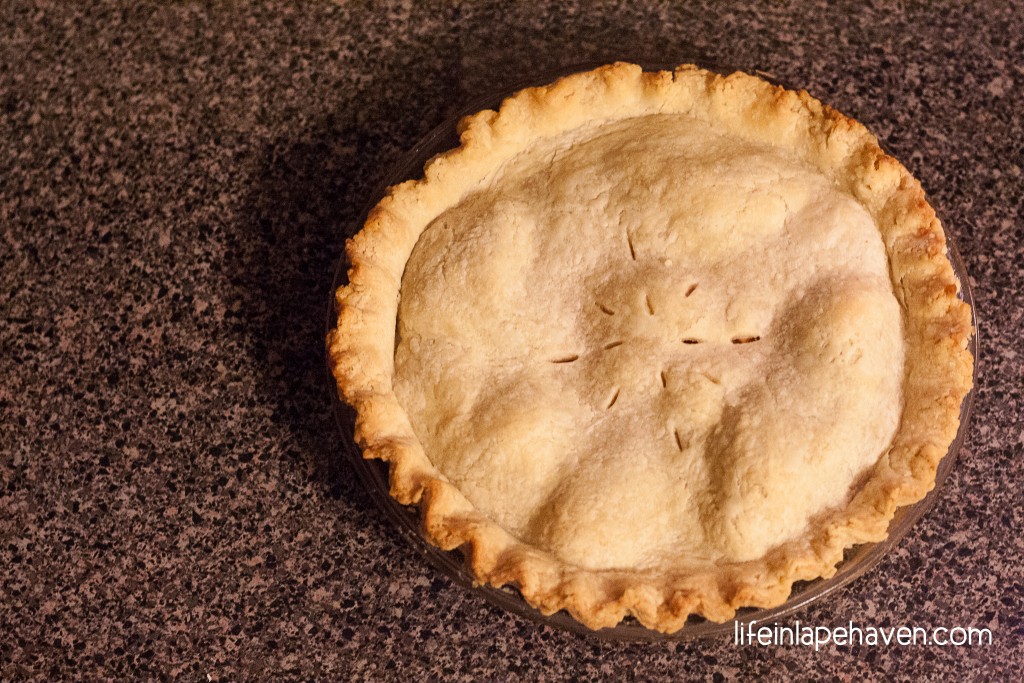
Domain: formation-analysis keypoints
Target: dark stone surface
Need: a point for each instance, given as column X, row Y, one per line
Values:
column 175, row 185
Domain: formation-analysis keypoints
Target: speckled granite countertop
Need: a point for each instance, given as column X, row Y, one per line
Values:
column 175, row 186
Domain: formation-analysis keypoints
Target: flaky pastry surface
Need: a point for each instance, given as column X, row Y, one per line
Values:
column 655, row 343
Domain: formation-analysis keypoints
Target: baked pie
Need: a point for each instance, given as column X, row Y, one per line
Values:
column 654, row 343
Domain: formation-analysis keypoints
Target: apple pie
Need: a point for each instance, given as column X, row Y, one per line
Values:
column 654, row 343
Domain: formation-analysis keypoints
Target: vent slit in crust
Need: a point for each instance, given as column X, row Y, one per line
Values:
column 613, row 399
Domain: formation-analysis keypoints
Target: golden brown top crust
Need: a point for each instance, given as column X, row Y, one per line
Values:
column 667, row 342
column 678, row 312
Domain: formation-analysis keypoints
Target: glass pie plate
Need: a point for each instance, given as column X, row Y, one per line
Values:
column 374, row 473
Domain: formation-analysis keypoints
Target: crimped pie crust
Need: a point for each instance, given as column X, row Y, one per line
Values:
column 628, row 415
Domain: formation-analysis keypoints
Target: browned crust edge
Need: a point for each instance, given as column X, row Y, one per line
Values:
column 938, row 371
